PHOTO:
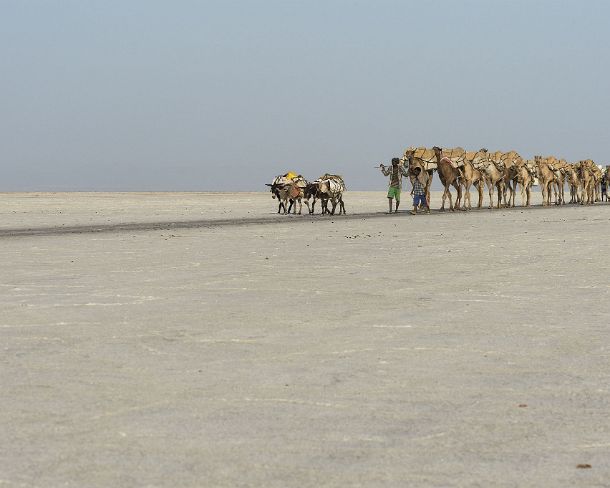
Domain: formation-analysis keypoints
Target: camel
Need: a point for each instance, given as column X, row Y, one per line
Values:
column 448, row 173
column 564, row 169
column 472, row 176
column 573, row 182
column 524, row 176
column 423, row 158
column 547, row 177
column 557, row 184
column 560, row 179
column 492, row 168
column 510, row 160
column 597, row 177
column 585, row 175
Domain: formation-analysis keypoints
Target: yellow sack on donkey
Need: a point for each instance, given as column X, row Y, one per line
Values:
column 290, row 175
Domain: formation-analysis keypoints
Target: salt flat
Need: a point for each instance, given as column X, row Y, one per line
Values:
column 154, row 348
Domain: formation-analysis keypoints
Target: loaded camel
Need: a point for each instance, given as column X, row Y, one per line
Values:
column 420, row 157
column 510, row 160
column 472, row 176
column 587, row 182
column 573, row 182
column 546, row 177
column 493, row 172
column 525, row 175
column 448, row 172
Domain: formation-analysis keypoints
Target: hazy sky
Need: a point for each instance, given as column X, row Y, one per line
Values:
column 221, row 95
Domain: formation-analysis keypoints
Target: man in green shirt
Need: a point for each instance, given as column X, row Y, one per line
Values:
column 395, row 172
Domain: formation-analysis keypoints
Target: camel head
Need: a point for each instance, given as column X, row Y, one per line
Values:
column 483, row 150
column 414, row 165
column 532, row 168
column 437, row 149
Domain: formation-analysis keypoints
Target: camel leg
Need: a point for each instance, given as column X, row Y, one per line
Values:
column 491, row 195
column 467, row 202
column 450, row 199
column 460, row 200
column 459, row 192
column 544, row 189
column 513, row 194
column 480, row 189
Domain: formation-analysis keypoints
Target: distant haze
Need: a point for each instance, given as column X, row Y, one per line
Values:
column 223, row 95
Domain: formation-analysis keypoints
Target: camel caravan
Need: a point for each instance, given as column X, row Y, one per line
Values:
column 503, row 173
column 292, row 189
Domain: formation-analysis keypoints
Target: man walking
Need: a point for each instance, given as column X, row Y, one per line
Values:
column 395, row 172
column 419, row 191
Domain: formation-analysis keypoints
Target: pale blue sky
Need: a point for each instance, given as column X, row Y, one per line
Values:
column 221, row 95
